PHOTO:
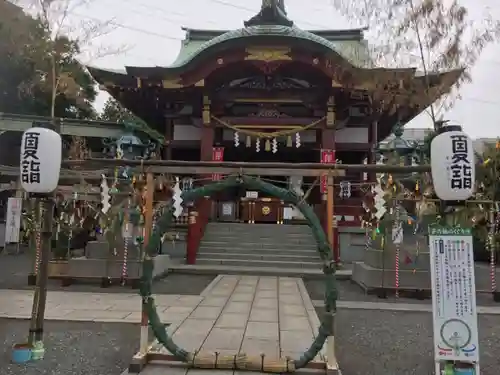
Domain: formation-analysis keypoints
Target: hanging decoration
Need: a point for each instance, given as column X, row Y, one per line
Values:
column 297, row 140
column 379, row 201
column 127, row 233
column 452, row 165
column 236, row 139
column 257, row 145
column 177, row 199
column 397, row 239
column 345, row 189
column 72, row 220
column 275, row 146
column 492, row 246
column 217, row 155
column 327, row 157
column 289, row 142
column 267, row 135
column 248, row 141
column 186, row 183
column 267, row 145
column 365, row 174
column 105, row 197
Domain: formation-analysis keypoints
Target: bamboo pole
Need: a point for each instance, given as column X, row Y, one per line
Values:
column 325, row 168
column 329, row 217
column 148, row 228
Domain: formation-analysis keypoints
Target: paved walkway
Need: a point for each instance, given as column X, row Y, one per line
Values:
column 251, row 314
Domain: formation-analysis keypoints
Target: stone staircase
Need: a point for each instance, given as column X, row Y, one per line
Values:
column 259, row 245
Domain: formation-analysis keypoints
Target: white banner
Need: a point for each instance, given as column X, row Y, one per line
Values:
column 453, row 295
column 13, row 221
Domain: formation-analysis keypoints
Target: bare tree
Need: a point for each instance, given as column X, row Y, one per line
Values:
column 59, row 56
column 432, row 35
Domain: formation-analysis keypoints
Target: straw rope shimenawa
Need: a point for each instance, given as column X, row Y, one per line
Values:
column 262, row 363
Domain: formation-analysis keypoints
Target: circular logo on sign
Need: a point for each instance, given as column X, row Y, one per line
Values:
column 266, row 210
column 455, row 334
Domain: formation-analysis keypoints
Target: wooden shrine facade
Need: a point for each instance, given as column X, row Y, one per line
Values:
column 272, row 92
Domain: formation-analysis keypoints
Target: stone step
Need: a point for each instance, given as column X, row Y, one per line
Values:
column 284, row 245
column 267, row 238
column 282, row 250
column 269, row 257
column 269, row 228
column 260, row 263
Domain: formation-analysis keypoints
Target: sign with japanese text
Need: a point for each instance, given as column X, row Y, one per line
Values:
column 13, row 220
column 41, row 153
column 453, row 294
column 453, row 166
column 217, row 155
column 327, row 157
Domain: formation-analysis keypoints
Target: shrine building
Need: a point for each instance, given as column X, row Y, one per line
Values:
column 272, row 92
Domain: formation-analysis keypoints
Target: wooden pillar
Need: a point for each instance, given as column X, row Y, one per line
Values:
column 169, row 137
column 198, row 215
column 329, row 221
column 372, row 155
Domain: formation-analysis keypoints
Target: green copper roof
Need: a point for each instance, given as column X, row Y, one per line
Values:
column 354, row 51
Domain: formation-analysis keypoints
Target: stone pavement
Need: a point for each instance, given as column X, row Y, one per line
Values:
column 253, row 314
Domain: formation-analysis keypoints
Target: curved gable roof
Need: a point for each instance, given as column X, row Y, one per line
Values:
column 349, row 44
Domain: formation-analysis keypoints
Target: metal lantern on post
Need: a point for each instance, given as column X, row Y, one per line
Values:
column 40, row 167
column 398, row 147
column 128, row 147
column 452, row 164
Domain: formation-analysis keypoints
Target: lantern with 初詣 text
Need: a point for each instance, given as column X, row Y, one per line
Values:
column 453, row 165
column 41, row 153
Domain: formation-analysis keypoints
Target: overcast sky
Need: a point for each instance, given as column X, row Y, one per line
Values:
column 151, row 31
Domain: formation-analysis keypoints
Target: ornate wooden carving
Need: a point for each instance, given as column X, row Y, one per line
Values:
column 269, row 83
column 268, row 111
column 268, row 54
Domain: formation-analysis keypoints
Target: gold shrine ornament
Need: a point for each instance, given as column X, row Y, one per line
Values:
column 266, row 210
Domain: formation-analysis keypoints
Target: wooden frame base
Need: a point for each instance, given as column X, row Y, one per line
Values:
column 140, row 361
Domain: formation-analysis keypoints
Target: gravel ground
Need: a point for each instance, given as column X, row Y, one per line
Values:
column 74, row 348
column 397, row 343
column 366, row 343
column 14, row 275
column 349, row 291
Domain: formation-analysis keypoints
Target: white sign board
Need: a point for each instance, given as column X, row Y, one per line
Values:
column 13, row 221
column 453, row 295
column 252, row 194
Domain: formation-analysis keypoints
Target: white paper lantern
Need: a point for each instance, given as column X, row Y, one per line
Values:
column 41, row 152
column 453, row 166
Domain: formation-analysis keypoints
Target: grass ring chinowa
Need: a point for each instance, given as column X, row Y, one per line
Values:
column 241, row 361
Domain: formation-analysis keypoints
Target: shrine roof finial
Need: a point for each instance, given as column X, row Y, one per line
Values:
column 272, row 12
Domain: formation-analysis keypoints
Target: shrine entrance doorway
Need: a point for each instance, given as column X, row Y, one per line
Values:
column 254, row 207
